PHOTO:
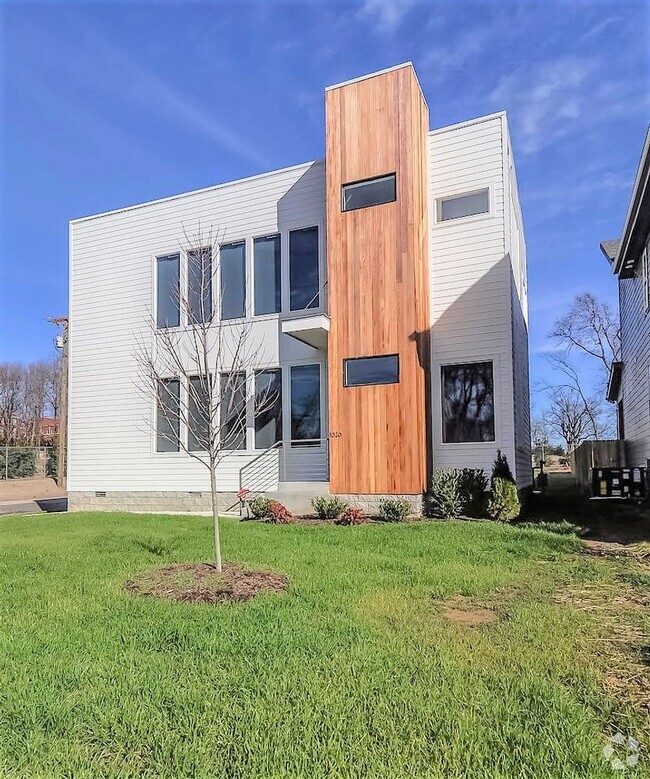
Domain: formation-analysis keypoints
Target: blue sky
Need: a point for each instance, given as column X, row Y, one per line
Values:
column 105, row 104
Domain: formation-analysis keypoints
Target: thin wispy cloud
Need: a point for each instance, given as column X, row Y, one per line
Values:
column 385, row 15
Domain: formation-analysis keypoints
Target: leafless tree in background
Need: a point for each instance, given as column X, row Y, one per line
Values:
column 27, row 394
column 570, row 417
column 197, row 373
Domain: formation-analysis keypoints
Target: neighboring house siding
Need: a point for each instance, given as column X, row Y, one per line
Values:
column 111, row 293
column 470, row 282
column 635, row 388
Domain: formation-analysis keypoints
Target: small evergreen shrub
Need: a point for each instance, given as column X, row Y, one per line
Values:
column 394, row 509
column 279, row 514
column 351, row 516
column 444, row 499
column 260, row 507
column 328, row 508
column 503, row 504
column 473, row 484
column 501, row 468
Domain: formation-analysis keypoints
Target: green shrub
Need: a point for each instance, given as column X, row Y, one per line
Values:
column 501, row 469
column 473, row 484
column 52, row 462
column 351, row 516
column 260, row 507
column 17, row 463
column 328, row 508
column 444, row 499
column 279, row 514
column 503, row 504
column 394, row 509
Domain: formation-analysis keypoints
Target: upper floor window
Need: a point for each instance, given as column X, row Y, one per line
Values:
column 266, row 273
column 168, row 291
column 361, row 371
column 199, row 285
column 168, row 416
column 304, row 275
column 232, row 261
column 467, row 403
column 458, row 206
column 371, row 192
column 645, row 270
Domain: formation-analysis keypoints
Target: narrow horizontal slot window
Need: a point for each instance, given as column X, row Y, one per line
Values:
column 459, row 206
column 362, row 371
column 371, row 192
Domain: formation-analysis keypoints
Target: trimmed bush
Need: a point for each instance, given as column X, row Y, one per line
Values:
column 328, row 508
column 472, row 486
column 501, row 468
column 260, row 507
column 351, row 516
column 394, row 509
column 444, row 499
column 503, row 504
column 279, row 514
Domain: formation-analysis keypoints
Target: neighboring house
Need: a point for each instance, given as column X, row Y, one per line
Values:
column 629, row 381
column 394, row 305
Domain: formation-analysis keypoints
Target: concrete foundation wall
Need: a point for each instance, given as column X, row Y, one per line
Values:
column 147, row 502
column 370, row 503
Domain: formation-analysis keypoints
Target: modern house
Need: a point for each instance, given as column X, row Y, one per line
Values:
column 386, row 283
column 629, row 381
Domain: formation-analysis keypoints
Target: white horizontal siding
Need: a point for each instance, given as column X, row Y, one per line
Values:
column 111, row 446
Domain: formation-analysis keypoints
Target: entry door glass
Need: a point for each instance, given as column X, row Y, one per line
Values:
column 305, row 405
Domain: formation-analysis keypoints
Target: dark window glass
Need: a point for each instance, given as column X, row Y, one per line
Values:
column 268, row 408
column 167, row 291
column 266, row 256
column 198, row 406
column 464, row 205
column 303, row 269
column 233, row 280
column 168, row 416
column 199, row 285
column 467, row 403
column 305, row 403
column 371, row 370
column 233, row 410
column 372, row 192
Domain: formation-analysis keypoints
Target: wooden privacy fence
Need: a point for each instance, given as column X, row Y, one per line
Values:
column 595, row 454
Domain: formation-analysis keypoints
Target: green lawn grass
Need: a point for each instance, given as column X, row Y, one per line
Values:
column 355, row 672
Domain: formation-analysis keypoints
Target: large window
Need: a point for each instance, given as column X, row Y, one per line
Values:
column 467, row 403
column 198, row 407
column 268, row 408
column 266, row 258
column 233, row 410
column 304, row 282
column 199, row 285
column 305, row 404
column 371, row 192
column 167, row 291
column 232, row 258
column 359, row 371
column 168, row 416
column 464, row 205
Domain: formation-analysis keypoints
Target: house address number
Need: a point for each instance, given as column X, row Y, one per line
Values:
column 335, row 434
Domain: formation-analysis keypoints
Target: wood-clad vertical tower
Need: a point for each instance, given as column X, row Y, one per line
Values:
column 378, row 299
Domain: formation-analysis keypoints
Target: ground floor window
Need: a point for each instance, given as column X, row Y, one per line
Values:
column 305, row 404
column 468, row 403
column 168, row 416
column 233, row 411
column 268, row 408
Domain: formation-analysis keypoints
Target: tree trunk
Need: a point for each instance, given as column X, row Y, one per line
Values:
column 215, row 517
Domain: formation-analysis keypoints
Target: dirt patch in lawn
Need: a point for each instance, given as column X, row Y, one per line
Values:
column 200, row 583
column 466, row 612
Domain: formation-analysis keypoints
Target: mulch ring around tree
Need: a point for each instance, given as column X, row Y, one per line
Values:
column 200, row 583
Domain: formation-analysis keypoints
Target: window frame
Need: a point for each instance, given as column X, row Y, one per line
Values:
column 321, row 271
column 279, row 235
column 456, row 193
column 439, row 395
column 247, row 278
column 347, row 360
column 255, row 372
column 370, row 180
column 286, row 409
column 181, row 432
column 189, row 321
column 246, row 448
column 158, row 255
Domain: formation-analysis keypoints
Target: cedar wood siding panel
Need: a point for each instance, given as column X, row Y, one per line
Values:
column 635, row 390
column 111, row 293
column 470, row 282
column 377, row 291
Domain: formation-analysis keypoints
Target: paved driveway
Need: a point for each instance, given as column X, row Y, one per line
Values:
column 31, row 496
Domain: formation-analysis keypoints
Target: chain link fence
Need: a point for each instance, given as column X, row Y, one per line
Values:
column 27, row 462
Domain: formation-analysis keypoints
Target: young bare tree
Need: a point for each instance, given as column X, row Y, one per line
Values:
column 195, row 364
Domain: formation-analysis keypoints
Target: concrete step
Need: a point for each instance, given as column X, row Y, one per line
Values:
column 296, row 496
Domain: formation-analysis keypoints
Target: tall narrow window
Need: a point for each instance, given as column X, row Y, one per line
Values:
column 458, row 206
column 199, row 285
column 233, row 410
column 467, row 403
column 268, row 408
column 371, row 192
column 233, row 280
column 167, row 291
column 168, row 416
column 305, row 404
column 266, row 258
column 645, row 270
column 304, row 289
column 198, row 407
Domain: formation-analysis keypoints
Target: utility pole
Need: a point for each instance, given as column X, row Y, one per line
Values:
column 61, row 343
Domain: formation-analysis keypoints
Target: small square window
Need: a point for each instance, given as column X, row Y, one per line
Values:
column 364, row 371
column 371, row 192
column 458, row 206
